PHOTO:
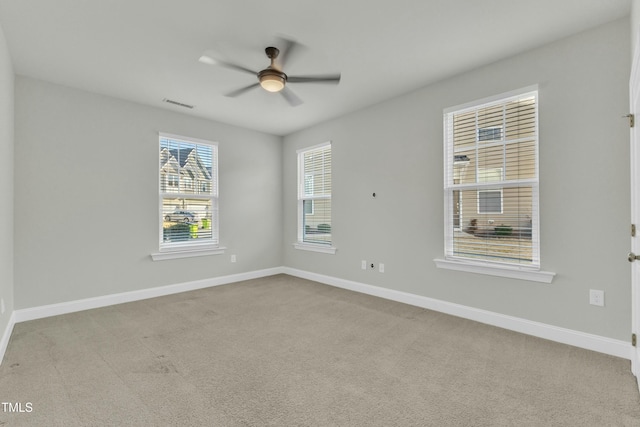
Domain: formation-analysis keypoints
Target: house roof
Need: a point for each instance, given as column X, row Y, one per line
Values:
column 181, row 156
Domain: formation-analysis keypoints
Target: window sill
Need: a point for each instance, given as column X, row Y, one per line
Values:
column 187, row 253
column 325, row 249
column 491, row 270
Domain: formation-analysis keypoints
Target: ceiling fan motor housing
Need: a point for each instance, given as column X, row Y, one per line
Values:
column 272, row 80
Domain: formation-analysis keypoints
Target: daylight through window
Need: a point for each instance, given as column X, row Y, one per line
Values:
column 491, row 182
column 314, row 195
column 188, row 192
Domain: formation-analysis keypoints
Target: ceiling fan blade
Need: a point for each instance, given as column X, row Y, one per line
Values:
column 241, row 90
column 235, row 67
column 288, row 48
column 291, row 97
column 211, row 60
column 326, row 78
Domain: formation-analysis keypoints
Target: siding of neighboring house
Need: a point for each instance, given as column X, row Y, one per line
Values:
column 498, row 144
column 516, row 210
column 191, row 174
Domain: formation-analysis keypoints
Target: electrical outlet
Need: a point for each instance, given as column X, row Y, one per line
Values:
column 364, row 265
column 381, row 268
column 233, row 258
column 1, row 305
column 596, row 297
column 373, row 266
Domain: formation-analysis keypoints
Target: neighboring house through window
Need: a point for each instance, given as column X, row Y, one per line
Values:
column 171, row 182
column 188, row 212
column 314, row 199
column 308, row 191
column 490, row 200
column 490, row 133
column 491, row 182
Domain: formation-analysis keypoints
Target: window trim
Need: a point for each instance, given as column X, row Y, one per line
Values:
column 315, row 247
column 495, row 270
column 302, row 195
column 450, row 261
column 187, row 253
column 176, row 250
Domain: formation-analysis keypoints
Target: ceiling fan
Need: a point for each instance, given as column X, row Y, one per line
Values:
column 272, row 78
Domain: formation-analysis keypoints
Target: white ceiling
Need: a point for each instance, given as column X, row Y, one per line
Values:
column 148, row 50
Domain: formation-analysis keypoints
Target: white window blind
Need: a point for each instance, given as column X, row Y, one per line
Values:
column 491, row 181
column 314, row 195
column 188, row 176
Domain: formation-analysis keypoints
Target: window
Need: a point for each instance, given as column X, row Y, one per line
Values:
column 490, row 201
column 314, row 199
column 188, row 173
column 491, row 182
column 490, row 133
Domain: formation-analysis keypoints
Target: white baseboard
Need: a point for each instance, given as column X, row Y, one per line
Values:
column 592, row 342
column 26, row 314
column 4, row 342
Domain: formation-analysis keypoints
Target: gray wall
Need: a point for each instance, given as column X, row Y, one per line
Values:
column 635, row 24
column 86, row 198
column 6, row 181
column 395, row 150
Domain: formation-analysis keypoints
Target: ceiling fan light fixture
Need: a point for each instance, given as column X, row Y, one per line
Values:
column 272, row 80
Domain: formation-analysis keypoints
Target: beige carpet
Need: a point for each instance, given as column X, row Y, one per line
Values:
column 282, row 351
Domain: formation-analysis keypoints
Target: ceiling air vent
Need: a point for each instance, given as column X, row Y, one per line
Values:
column 179, row 104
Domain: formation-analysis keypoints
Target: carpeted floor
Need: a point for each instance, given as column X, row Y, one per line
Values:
column 283, row 351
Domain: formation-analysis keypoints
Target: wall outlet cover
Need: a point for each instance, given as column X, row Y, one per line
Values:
column 596, row 297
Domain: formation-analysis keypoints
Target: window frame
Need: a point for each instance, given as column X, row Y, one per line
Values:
column 487, row 266
column 200, row 247
column 304, row 195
